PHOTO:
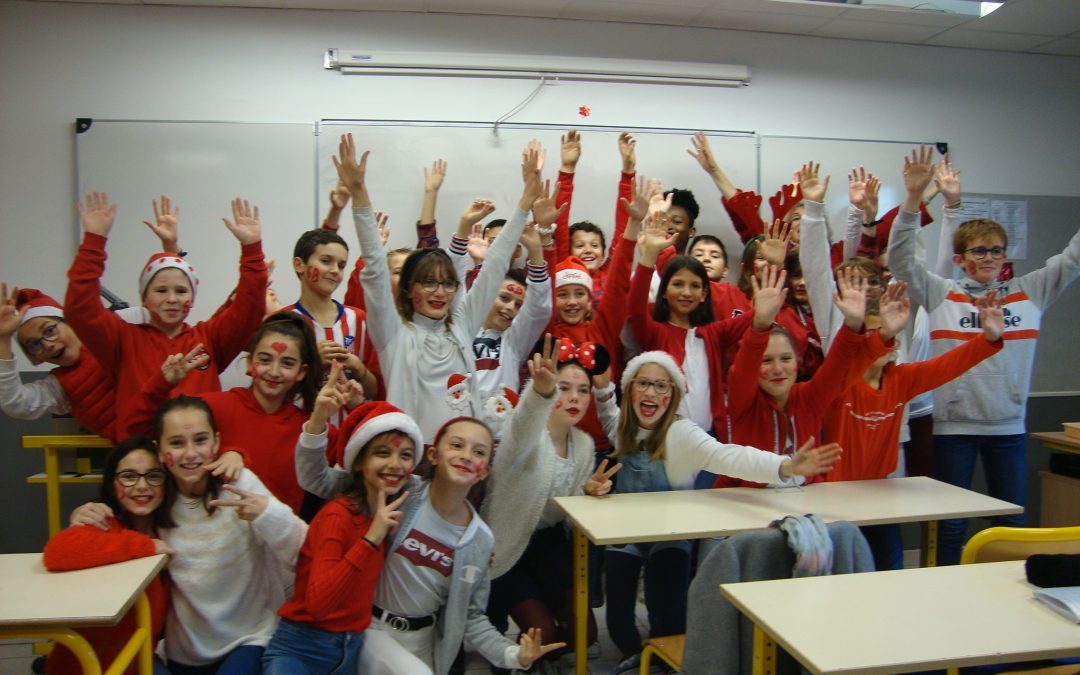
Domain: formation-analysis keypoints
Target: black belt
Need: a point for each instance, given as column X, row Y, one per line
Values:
column 402, row 623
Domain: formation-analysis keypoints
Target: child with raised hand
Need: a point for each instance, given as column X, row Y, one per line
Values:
column 661, row 451
column 980, row 413
column 134, row 353
column 77, row 385
column 868, row 418
column 768, row 408
column 323, row 626
column 426, row 342
column 426, row 604
column 133, row 487
column 683, row 324
column 319, row 261
column 543, row 456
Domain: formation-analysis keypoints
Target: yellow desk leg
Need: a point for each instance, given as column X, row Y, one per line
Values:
column 930, row 533
column 139, row 647
column 69, row 638
column 52, row 488
column 764, row 653
column 581, row 602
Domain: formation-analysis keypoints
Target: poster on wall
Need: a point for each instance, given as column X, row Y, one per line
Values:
column 1012, row 214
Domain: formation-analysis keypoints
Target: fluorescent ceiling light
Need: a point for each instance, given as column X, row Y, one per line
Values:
column 523, row 66
column 972, row 8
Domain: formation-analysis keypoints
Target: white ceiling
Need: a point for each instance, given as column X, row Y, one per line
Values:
column 1033, row 26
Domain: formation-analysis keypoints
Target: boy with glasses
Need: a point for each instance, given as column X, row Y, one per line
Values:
column 981, row 413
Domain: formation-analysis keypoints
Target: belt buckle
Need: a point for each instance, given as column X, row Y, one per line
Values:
column 398, row 623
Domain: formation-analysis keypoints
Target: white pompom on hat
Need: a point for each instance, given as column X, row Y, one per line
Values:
column 662, row 359
column 164, row 261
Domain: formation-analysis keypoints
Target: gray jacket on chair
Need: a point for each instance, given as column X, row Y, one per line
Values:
column 719, row 640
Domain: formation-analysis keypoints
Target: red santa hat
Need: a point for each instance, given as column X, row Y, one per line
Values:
column 572, row 271
column 369, row 420
column 164, row 261
column 36, row 304
column 662, row 359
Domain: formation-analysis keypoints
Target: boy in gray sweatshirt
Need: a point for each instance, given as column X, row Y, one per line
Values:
column 980, row 413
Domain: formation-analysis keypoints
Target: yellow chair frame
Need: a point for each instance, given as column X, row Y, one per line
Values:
column 996, row 544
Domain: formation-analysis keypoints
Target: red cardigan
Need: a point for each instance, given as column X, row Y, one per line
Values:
column 717, row 337
column 84, row 546
column 134, row 353
column 866, row 421
column 758, row 421
column 336, row 572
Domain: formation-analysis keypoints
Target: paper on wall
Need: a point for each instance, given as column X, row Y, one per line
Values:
column 1012, row 214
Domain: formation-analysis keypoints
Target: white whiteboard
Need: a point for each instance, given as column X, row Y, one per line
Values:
column 201, row 166
column 483, row 164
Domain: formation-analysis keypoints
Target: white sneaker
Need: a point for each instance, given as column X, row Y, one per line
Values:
column 593, row 651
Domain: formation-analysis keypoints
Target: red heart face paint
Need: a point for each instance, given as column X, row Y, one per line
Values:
column 396, row 441
column 558, row 404
column 516, row 289
column 279, row 347
column 313, row 274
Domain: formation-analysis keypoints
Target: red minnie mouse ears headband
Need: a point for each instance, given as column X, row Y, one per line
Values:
column 593, row 358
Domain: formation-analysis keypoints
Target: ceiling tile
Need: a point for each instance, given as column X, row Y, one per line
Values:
column 1009, row 42
column 600, row 10
column 1037, row 17
column 1061, row 47
column 496, row 7
column 876, row 30
column 769, row 23
column 790, row 7
column 359, row 5
column 269, row 4
column 885, row 15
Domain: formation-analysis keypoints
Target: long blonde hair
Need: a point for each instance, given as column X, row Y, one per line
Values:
column 626, row 435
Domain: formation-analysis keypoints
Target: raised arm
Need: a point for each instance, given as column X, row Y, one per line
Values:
column 814, row 257
column 339, row 199
column 559, row 230
column 769, row 296
column 926, row 289
column 166, row 225
column 535, row 312
column 702, row 152
column 651, row 242
column 433, row 180
column 947, row 181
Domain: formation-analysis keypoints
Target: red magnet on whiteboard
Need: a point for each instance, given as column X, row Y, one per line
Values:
column 584, row 110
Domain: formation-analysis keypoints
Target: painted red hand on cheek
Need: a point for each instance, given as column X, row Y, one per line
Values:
column 971, row 267
column 279, row 347
column 170, row 462
column 666, row 401
column 417, row 298
column 481, row 466
column 558, row 404
column 313, row 274
column 121, row 493
column 187, row 306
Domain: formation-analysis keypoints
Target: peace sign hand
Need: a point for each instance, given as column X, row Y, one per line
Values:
column 543, row 366
column 531, row 649
column 387, row 516
column 250, row 505
column 10, row 316
column 599, row 483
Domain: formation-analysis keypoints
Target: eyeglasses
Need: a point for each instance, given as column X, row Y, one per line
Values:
column 980, row 252
column 430, row 285
column 154, row 478
column 659, row 386
column 51, row 332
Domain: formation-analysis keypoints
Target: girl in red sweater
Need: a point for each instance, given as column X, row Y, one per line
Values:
column 167, row 284
column 266, row 418
column 321, row 628
column 132, row 488
column 769, row 410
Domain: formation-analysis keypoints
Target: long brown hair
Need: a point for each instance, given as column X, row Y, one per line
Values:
column 626, row 436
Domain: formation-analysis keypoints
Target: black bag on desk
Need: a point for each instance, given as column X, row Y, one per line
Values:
column 1053, row 570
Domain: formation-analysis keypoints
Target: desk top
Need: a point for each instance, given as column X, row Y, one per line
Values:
column 908, row 620
column 697, row 514
column 1058, row 440
column 99, row 596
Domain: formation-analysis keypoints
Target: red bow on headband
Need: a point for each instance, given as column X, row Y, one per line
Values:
column 585, row 353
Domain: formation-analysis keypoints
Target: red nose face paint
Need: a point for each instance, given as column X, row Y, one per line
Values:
column 279, row 347
column 313, row 275
column 515, row 289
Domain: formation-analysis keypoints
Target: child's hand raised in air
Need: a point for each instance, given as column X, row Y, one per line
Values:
column 531, row 649
column 850, row 297
column 769, row 295
column 991, row 316
column 10, row 316
column 774, row 247
column 245, row 224
column 166, row 225
column 352, row 173
column 328, row 402
column 544, row 366
column 894, row 308
column 98, row 215
column 813, row 188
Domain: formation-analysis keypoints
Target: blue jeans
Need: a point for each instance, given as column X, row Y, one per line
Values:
column 1004, row 461
column 299, row 648
column 240, row 661
column 886, row 545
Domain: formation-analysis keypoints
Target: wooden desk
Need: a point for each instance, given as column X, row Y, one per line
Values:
column 908, row 620
column 697, row 514
column 37, row 603
column 1057, row 440
column 53, row 445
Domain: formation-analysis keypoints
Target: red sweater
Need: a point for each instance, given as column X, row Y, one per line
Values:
column 717, row 336
column 336, row 572
column 866, row 421
column 84, row 546
column 134, row 353
column 758, row 421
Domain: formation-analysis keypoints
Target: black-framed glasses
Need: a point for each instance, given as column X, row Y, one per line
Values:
column 980, row 252
column 659, row 386
column 430, row 285
column 153, row 478
column 49, row 334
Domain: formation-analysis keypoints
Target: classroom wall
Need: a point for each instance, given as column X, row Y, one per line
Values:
column 1010, row 118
